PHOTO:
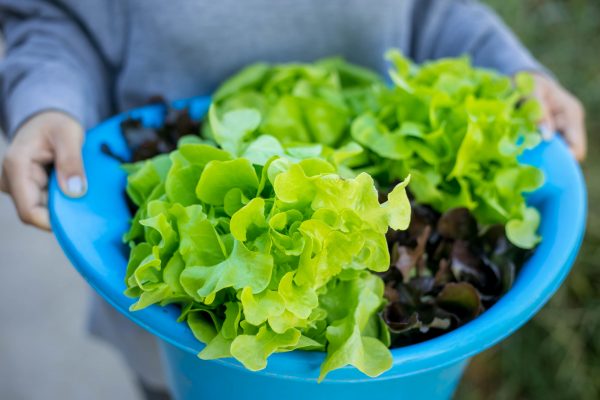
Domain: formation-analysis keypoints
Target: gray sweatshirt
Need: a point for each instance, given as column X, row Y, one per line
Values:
column 92, row 58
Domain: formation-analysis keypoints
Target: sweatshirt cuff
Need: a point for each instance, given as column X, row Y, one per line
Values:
column 43, row 92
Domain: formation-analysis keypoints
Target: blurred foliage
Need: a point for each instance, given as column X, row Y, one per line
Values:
column 557, row 354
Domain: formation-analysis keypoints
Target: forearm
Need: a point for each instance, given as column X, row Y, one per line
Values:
column 50, row 64
column 450, row 28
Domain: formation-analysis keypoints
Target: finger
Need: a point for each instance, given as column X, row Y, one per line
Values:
column 546, row 122
column 26, row 195
column 40, row 218
column 571, row 122
column 68, row 163
column 39, row 175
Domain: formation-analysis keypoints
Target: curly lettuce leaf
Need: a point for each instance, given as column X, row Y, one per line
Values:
column 351, row 305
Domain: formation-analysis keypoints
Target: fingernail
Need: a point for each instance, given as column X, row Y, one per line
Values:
column 546, row 132
column 75, row 187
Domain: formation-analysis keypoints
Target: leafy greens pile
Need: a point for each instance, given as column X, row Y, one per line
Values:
column 267, row 229
column 264, row 256
column 456, row 129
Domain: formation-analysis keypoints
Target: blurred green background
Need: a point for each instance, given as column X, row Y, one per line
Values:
column 557, row 354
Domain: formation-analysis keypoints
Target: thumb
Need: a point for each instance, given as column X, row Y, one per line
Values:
column 68, row 162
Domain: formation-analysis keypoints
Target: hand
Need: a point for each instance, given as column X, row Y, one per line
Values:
column 50, row 137
column 561, row 112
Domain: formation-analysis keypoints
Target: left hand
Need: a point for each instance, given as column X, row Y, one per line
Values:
column 562, row 112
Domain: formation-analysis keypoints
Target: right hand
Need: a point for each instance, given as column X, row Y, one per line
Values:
column 562, row 112
column 47, row 138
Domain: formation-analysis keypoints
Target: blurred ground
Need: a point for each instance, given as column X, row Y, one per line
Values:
column 45, row 354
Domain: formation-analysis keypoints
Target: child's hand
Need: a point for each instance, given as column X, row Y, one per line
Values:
column 562, row 112
column 47, row 138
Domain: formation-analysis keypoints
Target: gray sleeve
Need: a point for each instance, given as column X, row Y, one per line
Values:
column 54, row 61
column 450, row 28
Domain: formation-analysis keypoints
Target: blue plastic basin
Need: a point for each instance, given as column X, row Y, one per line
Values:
column 90, row 228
